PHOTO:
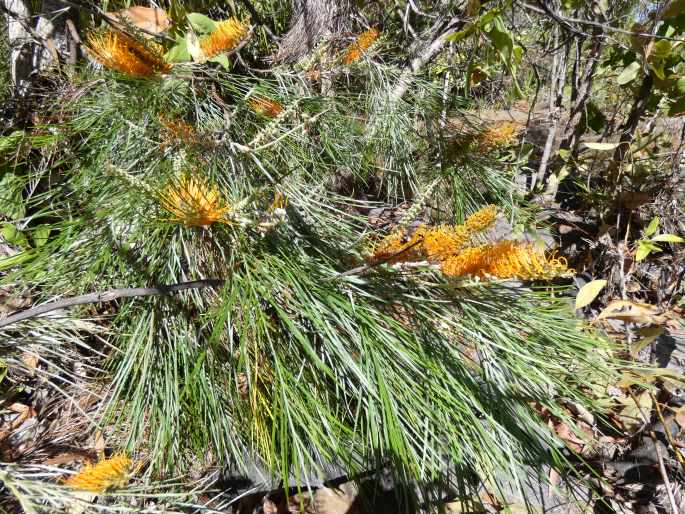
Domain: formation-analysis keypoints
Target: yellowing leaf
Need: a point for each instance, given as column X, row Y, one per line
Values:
column 653, row 225
column 629, row 73
column 637, row 312
column 668, row 238
column 602, row 147
column 589, row 292
column 649, row 336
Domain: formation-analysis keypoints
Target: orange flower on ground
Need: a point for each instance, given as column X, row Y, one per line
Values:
column 226, row 36
column 109, row 473
column 505, row 259
column 361, row 44
column 193, row 202
column 123, row 53
column 266, row 106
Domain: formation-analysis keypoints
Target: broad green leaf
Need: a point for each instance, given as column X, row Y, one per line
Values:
column 668, row 238
column 589, row 292
column 603, row 147
column 221, row 59
column 653, row 225
column 40, row 235
column 644, row 248
column 628, row 74
column 16, row 259
column 661, row 49
column 201, row 23
column 678, row 107
column 178, row 52
column 680, row 85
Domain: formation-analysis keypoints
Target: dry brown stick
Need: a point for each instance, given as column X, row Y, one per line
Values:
column 108, row 296
column 667, row 432
column 664, row 475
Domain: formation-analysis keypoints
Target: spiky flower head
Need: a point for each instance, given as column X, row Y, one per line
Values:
column 194, row 202
column 360, row 45
column 505, row 259
column 434, row 244
column 114, row 472
column 225, row 37
column 123, row 53
column 498, row 135
column 266, row 106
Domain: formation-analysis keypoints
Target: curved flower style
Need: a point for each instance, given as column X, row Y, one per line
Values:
column 108, row 473
column 361, row 44
column 266, row 106
column 123, row 53
column 193, row 202
column 446, row 245
column 433, row 243
column 505, row 259
column 227, row 35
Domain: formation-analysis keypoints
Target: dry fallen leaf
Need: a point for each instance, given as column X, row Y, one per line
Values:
column 150, row 19
column 631, row 311
column 632, row 414
column 589, row 292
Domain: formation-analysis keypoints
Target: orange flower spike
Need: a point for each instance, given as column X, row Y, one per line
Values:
column 121, row 52
column 497, row 135
column 266, row 106
column 226, row 36
column 360, row 45
column 481, row 220
column 505, row 259
column 194, row 202
column 396, row 247
column 439, row 243
column 114, row 472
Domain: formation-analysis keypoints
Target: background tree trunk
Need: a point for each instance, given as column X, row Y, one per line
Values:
column 313, row 19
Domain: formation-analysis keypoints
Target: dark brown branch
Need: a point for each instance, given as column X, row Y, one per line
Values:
column 108, row 296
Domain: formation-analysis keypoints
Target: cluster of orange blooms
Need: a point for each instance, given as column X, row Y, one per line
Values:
column 224, row 38
column 497, row 135
column 109, row 473
column 123, row 53
column 360, row 45
column 447, row 246
column 126, row 54
column 194, row 202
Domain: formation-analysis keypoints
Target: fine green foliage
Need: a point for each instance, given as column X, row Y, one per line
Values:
column 290, row 363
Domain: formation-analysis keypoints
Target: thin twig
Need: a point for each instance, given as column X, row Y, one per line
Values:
column 566, row 22
column 664, row 475
column 108, row 296
column 364, row 268
column 669, row 436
